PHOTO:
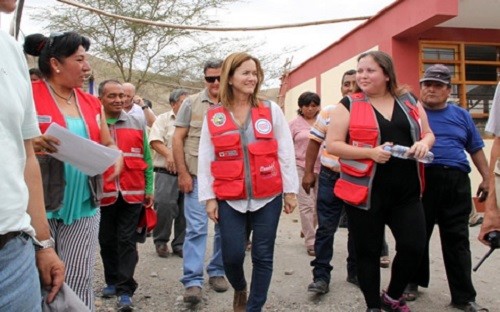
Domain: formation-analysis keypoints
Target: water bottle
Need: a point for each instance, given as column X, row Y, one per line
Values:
column 400, row 151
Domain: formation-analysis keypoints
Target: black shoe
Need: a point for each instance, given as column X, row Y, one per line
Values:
column 353, row 280
column 319, row 287
column 411, row 292
column 373, row 310
column 178, row 252
column 470, row 307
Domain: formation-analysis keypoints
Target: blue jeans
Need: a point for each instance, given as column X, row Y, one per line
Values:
column 19, row 282
column 329, row 208
column 264, row 223
column 195, row 242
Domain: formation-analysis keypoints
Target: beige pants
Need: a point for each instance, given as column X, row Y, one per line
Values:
column 474, row 216
column 497, row 181
column 307, row 210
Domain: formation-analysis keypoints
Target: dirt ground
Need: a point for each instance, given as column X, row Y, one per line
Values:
column 160, row 289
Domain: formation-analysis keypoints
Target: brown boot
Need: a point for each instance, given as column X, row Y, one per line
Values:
column 240, row 301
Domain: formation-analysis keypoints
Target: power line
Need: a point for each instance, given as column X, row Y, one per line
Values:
column 208, row 28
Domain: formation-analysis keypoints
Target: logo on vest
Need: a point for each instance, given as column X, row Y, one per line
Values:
column 263, row 126
column 230, row 153
column 268, row 170
column 44, row 118
column 219, row 119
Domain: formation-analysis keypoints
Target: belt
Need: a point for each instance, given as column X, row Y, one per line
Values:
column 163, row 170
column 442, row 167
column 5, row 238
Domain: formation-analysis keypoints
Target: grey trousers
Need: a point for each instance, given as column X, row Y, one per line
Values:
column 169, row 205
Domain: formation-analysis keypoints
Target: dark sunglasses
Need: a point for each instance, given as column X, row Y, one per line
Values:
column 211, row 79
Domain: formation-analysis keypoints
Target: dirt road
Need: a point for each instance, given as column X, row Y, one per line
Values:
column 160, row 289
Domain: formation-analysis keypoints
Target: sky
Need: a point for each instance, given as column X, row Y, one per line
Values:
column 304, row 42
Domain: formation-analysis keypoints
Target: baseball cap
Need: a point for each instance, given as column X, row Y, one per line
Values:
column 437, row 72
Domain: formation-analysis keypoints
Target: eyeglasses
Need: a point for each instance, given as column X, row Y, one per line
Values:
column 211, row 79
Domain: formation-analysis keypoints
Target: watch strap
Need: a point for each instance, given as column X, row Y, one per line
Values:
column 44, row 244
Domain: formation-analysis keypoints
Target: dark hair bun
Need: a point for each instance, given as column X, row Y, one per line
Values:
column 34, row 44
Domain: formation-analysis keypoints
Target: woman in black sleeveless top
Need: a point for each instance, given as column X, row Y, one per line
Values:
column 395, row 197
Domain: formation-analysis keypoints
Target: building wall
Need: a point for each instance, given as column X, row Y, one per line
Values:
column 394, row 30
column 331, row 80
column 292, row 96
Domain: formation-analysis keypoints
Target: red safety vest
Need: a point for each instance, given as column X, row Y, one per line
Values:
column 128, row 133
column 48, row 111
column 356, row 175
column 243, row 169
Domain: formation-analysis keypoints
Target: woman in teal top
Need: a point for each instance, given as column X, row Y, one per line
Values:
column 77, row 201
column 74, row 224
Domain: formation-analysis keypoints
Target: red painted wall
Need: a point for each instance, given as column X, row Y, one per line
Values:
column 394, row 30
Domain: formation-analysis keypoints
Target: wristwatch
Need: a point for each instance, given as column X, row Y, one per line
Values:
column 44, row 244
column 144, row 107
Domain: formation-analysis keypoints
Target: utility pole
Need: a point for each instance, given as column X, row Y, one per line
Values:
column 284, row 83
column 15, row 24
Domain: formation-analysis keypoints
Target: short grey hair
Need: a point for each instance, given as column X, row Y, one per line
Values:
column 212, row 63
column 176, row 94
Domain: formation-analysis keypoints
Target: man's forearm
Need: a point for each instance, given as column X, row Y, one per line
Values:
column 178, row 152
column 160, row 148
column 480, row 162
column 150, row 116
column 311, row 155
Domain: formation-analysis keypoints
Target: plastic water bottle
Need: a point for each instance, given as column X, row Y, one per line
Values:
column 400, row 151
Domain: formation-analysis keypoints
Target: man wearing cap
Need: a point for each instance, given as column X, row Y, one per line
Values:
column 447, row 194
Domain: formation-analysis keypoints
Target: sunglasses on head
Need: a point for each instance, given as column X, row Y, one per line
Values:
column 55, row 35
column 211, row 79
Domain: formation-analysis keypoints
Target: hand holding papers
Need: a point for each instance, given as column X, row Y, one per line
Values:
column 88, row 156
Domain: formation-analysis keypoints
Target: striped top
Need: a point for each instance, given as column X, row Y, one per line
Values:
column 318, row 134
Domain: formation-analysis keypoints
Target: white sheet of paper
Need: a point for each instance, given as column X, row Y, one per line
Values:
column 86, row 155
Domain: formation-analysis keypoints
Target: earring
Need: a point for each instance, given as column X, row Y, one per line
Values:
column 58, row 71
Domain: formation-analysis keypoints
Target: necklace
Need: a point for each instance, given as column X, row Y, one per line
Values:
column 68, row 99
